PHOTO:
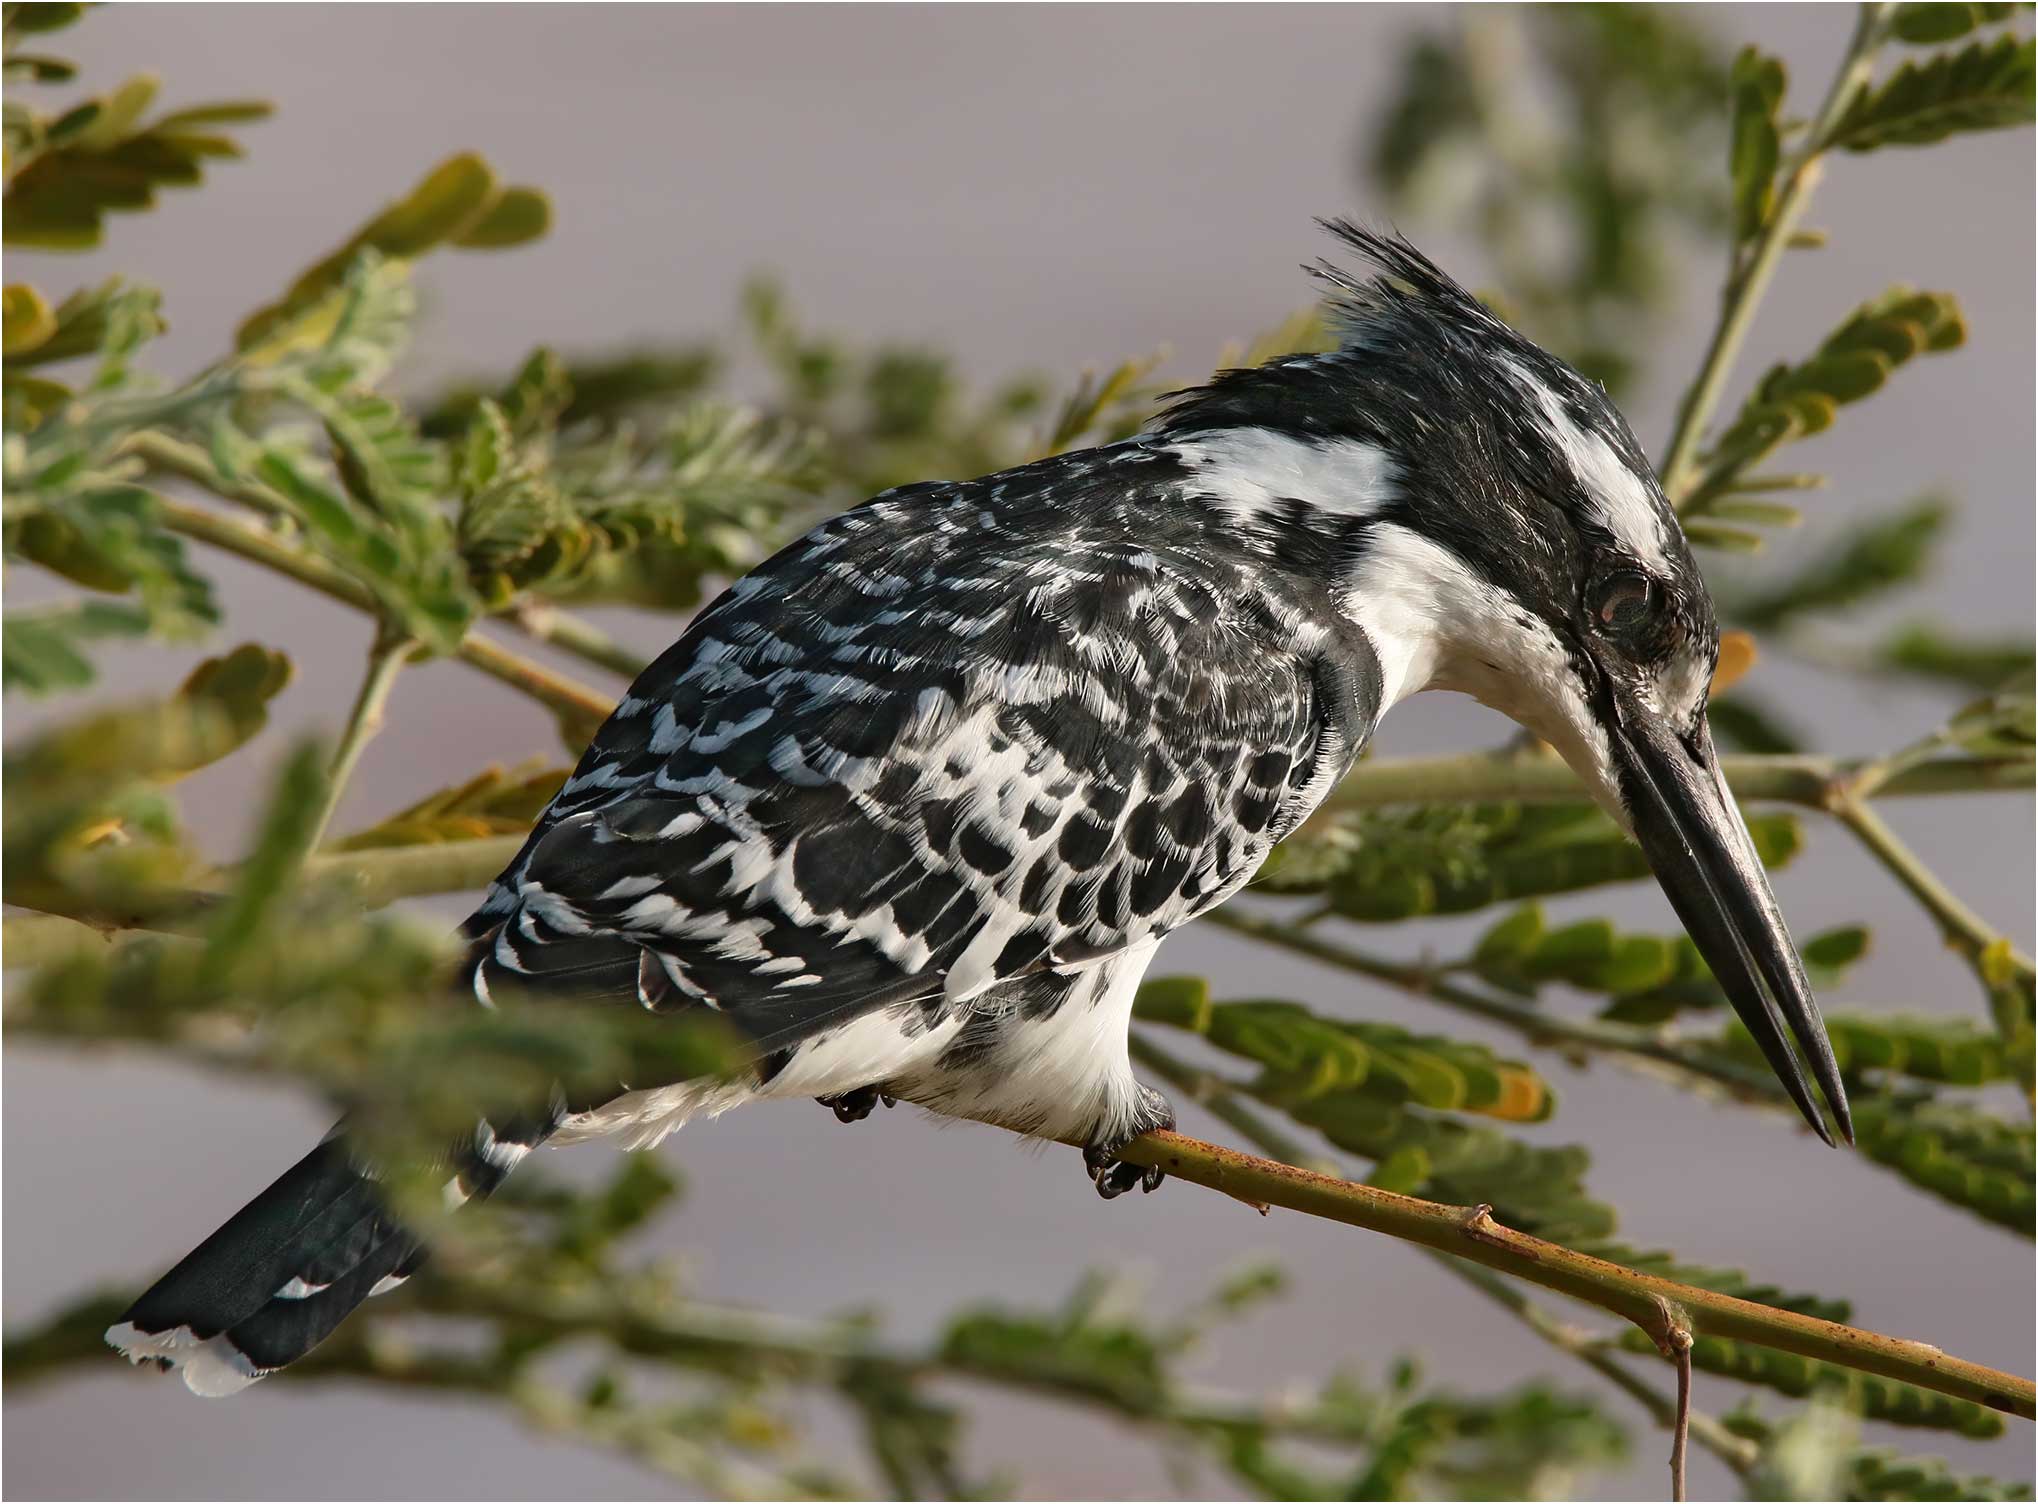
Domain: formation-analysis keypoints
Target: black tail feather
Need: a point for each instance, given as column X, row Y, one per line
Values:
column 287, row 1268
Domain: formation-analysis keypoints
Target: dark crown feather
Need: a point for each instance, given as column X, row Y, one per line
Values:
column 1407, row 286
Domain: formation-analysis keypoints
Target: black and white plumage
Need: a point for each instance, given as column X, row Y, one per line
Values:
column 912, row 804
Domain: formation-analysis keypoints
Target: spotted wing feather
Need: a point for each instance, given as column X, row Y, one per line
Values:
column 944, row 741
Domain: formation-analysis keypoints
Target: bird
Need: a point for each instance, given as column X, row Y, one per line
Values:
column 911, row 805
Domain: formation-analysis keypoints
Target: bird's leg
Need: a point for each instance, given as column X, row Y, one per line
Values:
column 855, row 1106
column 1113, row 1177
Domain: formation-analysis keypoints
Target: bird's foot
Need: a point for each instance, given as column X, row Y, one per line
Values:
column 855, row 1106
column 1111, row 1175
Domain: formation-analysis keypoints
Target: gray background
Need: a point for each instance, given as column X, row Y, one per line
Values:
column 1045, row 188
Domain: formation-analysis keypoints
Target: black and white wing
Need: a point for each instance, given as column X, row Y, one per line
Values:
column 913, row 757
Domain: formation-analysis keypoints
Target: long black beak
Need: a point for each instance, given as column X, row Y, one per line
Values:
column 1692, row 832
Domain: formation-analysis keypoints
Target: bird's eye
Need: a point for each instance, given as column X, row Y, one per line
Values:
column 1625, row 605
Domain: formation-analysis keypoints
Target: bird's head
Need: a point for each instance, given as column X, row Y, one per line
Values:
column 1494, row 528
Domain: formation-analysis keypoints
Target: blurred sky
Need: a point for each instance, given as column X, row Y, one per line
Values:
column 1042, row 188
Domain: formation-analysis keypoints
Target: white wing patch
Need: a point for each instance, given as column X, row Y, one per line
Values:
column 1249, row 470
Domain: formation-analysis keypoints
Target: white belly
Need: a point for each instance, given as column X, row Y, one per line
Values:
column 1065, row 1075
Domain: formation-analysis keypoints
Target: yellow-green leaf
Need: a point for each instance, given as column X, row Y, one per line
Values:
column 28, row 321
column 516, row 216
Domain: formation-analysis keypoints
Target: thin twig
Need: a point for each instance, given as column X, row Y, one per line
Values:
column 575, row 635
column 580, row 710
column 1680, row 1345
column 1965, row 930
column 574, row 702
column 386, row 658
column 2005, row 973
column 165, row 455
column 1753, row 267
column 1487, row 778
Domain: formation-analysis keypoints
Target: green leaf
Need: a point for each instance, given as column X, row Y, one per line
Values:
column 518, row 216
column 1097, row 408
column 28, row 320
column 87, row 828
column 1179, row 1002
column 1998, row 725
column 1959, row 1153
column 456, row 199
column 1832, row 952
column 1984, row 86
column 1391, row 865
column 1760, row 513
column 1868, row 560
column 118, row 112
column 1884, row 1474
column 240, row 684
column 42, row 16
column 1929, row 651
column 1756, row 89
column 1793, row 401
column 91, row 318
column 1733, row 540
column 220, row 112
column 1943, row 20
column 106, row 537
column 288, row 828
column 42, row 651
column 1746, row 724
column 1507, row 945
column 494, row 802
column 1867, row 1395
column 1686, row 983
column 1305, row 1056
column 1531, row 1187
column 65, row 175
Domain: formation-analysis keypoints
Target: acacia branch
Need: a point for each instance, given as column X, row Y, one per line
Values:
column 1222, row 1100
column 1658, row 1306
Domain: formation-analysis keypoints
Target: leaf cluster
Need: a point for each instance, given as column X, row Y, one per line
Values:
column 1388, row 865
column 67, row 169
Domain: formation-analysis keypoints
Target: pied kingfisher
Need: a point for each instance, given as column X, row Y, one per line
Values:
column 913, row 802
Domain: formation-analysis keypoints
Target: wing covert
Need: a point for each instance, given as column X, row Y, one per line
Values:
column 910, row 758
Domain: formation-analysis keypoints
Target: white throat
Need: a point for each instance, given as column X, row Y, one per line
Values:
column 1437, row 625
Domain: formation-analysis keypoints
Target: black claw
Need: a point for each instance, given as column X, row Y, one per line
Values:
column 1111, row 1175
column 855, row 1106
column 1116, row 1179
